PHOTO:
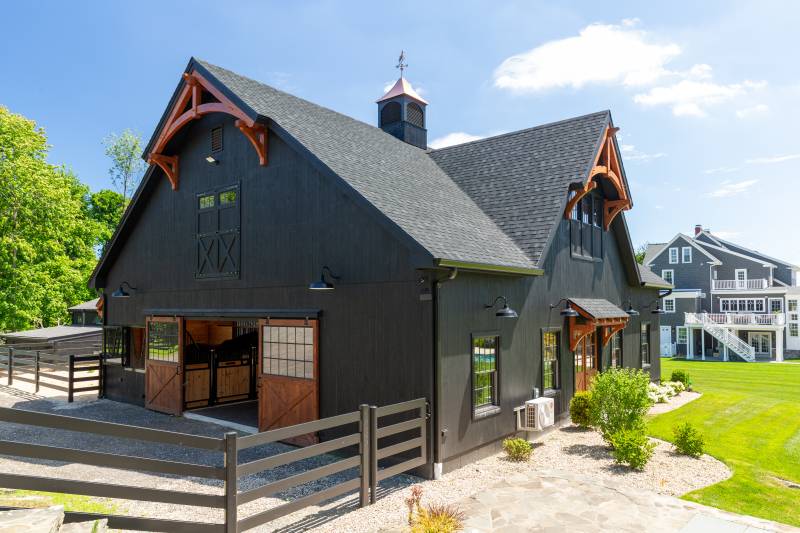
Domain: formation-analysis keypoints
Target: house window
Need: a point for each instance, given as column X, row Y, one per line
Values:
column 741, row 278
column 616, row 349
column 551, row 357
column 793, row 330
column 668, row 276
column 686, row 254
column 791, row 305
column 669, row 305
column 586, row 232
column 162, row 341
column 742, row 305
column 775, row 305
column 673, row 256
column 116, row 346
column 485, row 352
column 288, row 351
column 681, row 334
column 645, row 345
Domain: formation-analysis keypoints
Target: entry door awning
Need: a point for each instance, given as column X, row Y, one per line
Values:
column 595, row 313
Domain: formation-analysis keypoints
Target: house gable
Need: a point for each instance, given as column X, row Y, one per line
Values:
column 679, row 241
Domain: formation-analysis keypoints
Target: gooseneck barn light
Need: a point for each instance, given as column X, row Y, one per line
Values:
column 322, row 284
column 121, row 292
column 503, row 312
column 568, row 311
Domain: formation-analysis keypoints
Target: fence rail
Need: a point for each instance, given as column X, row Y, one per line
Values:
column 64, row 372
column 360, row 450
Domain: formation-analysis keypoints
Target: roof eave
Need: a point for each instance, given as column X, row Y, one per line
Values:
column 483, row 267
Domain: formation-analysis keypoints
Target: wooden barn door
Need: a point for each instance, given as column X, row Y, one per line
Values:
column 288, row 375
column 164, row 365
column 586, row 362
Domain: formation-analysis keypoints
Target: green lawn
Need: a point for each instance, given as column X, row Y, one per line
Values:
column 750, row 415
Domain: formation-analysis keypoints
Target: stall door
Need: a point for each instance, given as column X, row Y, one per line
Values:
column 288, row 374
column 164, row 365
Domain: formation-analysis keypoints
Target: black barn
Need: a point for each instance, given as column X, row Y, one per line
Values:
column 279, row 251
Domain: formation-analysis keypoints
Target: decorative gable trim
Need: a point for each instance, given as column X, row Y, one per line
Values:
column 189, row 106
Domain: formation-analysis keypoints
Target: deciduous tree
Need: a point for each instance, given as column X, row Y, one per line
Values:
column 127, row 166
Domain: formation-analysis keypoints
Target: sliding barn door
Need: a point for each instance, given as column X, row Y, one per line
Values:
column 164, row 365
column 288, row 374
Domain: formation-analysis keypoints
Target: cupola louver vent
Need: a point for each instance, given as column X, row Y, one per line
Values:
column 216, row 139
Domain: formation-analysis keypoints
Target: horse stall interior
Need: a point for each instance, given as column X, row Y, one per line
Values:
column 219, row 362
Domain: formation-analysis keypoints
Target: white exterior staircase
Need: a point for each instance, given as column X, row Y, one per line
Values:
column 724, row 335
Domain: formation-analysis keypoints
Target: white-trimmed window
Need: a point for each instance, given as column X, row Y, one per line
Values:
column 741, row 278
column 792, row 305
column 668, row 276
column 776, row 305
column 793, row 330
column 669, row 305
column 741, row 305
column 686, row 254
column 673, row 256
column 681, row 335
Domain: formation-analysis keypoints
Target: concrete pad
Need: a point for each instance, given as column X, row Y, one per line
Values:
column 41, row 520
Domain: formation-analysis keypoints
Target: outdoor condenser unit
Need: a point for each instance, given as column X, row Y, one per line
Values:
column 536, row 414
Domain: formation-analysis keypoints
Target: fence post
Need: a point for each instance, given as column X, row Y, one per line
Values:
column 231, row 479
column 71, row 376
column 373, row 453
column 363, row 448
column 10, row 366
column 36, row 374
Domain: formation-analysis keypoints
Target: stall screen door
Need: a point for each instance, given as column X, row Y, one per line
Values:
column 288, row 377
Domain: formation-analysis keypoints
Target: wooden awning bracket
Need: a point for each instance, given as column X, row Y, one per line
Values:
column 579, row 330
column 606, row 165
column 189, row 106
column 610, row 331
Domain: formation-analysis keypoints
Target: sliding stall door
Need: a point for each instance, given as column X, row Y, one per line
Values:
column 164, row 365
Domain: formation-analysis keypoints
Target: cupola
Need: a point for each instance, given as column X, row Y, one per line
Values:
column 401, row 111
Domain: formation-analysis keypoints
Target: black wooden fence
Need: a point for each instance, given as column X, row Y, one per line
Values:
column 70, row 370
column 408, row 448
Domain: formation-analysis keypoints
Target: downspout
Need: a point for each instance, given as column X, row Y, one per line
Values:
column 438, row 432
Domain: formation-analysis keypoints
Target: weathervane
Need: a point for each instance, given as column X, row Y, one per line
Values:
column 401, row 62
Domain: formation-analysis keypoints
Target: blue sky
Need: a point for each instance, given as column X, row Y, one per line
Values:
column 707, row 93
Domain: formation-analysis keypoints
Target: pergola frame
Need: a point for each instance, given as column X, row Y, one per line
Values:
column 606, row 165
column 183, row 113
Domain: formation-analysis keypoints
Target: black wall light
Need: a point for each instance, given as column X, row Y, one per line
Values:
column 121, row 292
column 503, row 312
column 630, row 310
column 211, row 160
column 322, row 284
column 568, row 311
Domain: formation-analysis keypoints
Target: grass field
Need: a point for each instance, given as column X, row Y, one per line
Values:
column 750, row 415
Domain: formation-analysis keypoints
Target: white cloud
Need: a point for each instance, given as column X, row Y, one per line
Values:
column 630, row 153
column 775, row 159
column 458, row 137
column 750, row 111
column 730, row 188
column 601, row 53
column 691, row 97
column 721, row 170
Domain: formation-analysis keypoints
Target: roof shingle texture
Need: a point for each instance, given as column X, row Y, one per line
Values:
column 521, row 179
column 400, row 180
column 599, row 308
column 650, row 277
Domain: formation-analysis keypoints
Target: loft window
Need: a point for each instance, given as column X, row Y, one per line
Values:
column 217, row 238
column 673, row 256
column 668, row 276
column 414, row 115
column 216, row 139
column 644, row 345
column 390, row 113
column 586, row 232
column 288, row 351
column 551, row 360
column 686, row 254
column 485, row 355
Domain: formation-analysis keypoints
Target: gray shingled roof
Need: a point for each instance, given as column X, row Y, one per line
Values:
column 521, row 179
column 91, row 305
column 651, row 278
column 402, row 181
column 599, row 308
column 53, row 333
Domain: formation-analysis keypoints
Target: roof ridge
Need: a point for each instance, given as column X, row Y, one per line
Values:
column 524, row 130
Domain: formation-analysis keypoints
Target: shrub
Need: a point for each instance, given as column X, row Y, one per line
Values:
column 438, row 519
column 683, row 377
column 688, row 440
column 579, row 409
column 517, row 449
column 632, row 448
column 619, row 401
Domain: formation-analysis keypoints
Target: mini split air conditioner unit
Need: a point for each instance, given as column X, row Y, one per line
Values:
column 536, row 414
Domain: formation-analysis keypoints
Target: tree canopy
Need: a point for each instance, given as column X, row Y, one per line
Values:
column 127, row 166
column 47, row 235
column 106, row 208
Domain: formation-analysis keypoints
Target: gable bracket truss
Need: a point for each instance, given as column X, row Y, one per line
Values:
column 586, row 324
column 190, row 106
column 607, row 166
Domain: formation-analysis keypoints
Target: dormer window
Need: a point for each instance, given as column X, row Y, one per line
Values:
column 673, row 256
column 586, row 231
column 686, row 254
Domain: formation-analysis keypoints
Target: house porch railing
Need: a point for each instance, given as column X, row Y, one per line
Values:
column 739, row 284
column 738, row 319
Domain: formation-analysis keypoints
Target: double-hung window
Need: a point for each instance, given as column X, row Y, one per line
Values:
column 686, row 254
column 776, row 305
column 551, row 359
column 485, row 378
column 668, row 276
column 673, row 256
column 681, row 334
column 669, row 305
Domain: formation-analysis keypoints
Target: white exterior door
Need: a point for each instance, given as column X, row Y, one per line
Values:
column 762, row 342
column 793, row 323
column 666, row 341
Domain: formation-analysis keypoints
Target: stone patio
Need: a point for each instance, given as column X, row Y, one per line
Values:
column 562, row 502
